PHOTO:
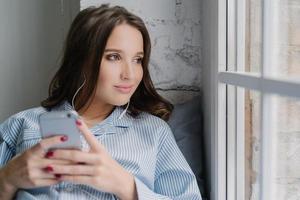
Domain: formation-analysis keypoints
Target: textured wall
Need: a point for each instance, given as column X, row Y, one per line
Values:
column 175, row 31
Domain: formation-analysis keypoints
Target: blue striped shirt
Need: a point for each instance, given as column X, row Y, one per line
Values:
column 144, row 146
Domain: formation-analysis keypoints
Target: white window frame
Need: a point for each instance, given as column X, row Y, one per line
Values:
column 231, row 64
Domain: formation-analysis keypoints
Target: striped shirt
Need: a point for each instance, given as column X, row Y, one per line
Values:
column 144, row 146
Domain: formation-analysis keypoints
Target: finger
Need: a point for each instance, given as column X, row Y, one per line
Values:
column 44, row 170
column 57, row 162
column 76, row 156
column 90, row 138
column 44, row 162
column 43, row 146
column 43, row 173
column 74, row 169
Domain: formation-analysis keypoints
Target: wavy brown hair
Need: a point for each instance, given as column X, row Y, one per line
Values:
column 83, row 52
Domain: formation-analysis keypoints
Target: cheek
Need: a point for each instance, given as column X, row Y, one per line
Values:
column 139, row 74
column 106, row 75
column 102, row 79
column 103, row 82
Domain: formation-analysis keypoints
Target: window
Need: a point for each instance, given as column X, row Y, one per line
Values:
column 259, row 99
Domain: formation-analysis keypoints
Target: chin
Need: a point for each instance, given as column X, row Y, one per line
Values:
column 120, row 101
column 121, row 104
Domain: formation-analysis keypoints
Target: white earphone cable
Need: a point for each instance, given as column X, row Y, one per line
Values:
column 77, row 92
column 123, row 113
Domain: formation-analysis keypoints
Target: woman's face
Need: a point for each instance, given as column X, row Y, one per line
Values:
column 121, row 66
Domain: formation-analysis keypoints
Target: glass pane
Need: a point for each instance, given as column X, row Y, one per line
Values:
column 286, row 42
column 252, row 144
column 253, row 36
column 287, row 148
column 243, row 143
column 284, row 28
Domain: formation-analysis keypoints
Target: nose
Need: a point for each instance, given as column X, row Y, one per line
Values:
column 127, row 71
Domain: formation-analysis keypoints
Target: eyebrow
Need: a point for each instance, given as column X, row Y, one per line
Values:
column 120, row 51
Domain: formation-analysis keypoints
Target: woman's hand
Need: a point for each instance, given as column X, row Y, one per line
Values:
column 95, row 168
column 29, row 169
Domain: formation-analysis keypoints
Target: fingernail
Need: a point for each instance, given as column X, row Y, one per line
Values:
column 57, row 175
column 49, row 169
column 78, row 122
column 49, row 154
column 64, row 138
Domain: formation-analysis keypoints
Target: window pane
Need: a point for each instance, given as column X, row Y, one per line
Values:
column 287, row 147
column 286, row 38
column 252, row 144
column 285, row 124
column 243, row 143
column 253, row 36
column 284, row 31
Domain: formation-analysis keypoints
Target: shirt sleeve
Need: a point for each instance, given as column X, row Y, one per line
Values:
column 174, row 178
column 8, row 130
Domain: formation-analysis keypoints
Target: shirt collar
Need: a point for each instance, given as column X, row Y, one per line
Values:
column 112, row 120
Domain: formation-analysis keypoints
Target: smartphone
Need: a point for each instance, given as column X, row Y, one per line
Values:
column 61, row 123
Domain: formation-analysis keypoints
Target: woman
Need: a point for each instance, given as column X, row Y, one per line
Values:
column 132, row 153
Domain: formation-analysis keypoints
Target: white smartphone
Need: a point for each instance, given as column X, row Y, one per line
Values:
column 61, row 123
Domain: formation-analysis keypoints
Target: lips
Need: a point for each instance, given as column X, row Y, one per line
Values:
column 123, row 88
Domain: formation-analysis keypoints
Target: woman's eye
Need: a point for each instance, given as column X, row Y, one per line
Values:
column 139, row 60
column 113, row 57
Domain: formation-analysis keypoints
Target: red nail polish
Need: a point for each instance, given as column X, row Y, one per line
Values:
column 64, row 138
column 49, row 154
column 78, row 122
column 49, row 169
column 57, row 175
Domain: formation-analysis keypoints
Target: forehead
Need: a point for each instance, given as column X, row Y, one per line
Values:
column 125, row 37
